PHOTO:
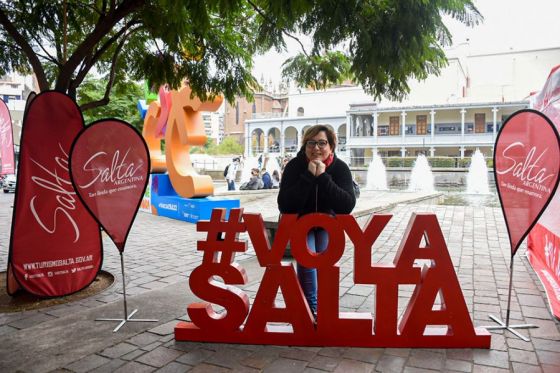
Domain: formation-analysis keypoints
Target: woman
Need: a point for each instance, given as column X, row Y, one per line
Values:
column 275, row 179
column 316, row 181
column 254, row 183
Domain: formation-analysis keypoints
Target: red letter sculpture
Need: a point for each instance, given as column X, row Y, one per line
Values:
column 422, row 325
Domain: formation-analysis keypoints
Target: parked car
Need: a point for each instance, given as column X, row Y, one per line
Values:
column 9, row 183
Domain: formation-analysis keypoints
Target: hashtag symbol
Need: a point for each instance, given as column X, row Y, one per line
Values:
column 222, row 236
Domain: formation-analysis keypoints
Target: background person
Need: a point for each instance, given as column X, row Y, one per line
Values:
column 232, row 173
column 254, row 183
column 316, row 181
column 266, row 179
column 275, row 179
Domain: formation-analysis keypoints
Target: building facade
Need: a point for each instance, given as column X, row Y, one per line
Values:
column 450, row 115
column 14, row 90
column 264, row 105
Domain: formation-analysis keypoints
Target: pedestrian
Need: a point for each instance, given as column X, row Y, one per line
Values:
column 231, row 173
column 267, row 180
column 316, row 180
column 254, row 183
column 275, row 179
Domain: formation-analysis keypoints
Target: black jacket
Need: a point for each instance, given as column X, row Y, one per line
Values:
column 302, row 193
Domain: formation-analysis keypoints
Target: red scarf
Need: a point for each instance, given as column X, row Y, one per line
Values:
column 327, row 161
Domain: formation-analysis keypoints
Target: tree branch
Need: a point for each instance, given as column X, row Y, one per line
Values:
column 105, row 100
column 103, row 26
column 93, row 59
column 262, row 14
column 27, row 50
column 47, row 56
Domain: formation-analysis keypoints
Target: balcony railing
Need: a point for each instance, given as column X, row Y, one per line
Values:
column 267, row 115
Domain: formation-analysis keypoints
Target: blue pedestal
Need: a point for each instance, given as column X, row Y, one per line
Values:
column 166, row 202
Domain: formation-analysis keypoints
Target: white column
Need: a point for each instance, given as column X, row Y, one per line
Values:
column 375, row 116
column 462, row 150
column 248, row 152
column 403, row 118
column 265, row 147
column 432, row 124
column 432, row 151
column 463, row 111
column 494, row 121
column 282, row 139
column 403, row 151
column 348, row 126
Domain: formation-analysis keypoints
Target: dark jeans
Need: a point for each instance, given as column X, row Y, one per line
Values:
column 317, row 241
column 230, row 185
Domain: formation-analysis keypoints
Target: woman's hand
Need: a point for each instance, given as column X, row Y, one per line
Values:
column 320, row 167
column 312, row 167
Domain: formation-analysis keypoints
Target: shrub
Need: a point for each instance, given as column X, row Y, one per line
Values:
column 441, row 162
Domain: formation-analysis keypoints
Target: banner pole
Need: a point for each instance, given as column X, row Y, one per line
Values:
column 124, row 286
column 126, row 317
column 509, row 292
column 506, row 326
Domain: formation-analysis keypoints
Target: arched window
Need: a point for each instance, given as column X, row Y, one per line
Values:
column 300, row 112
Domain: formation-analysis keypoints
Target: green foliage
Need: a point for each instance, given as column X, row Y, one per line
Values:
column 442, row 162
column 228, row 146
column 463, row 163
column 435, row 162
column 122, row 104
column 211, row 44
column 400, row 161
column 319, row 72
column 386, row 42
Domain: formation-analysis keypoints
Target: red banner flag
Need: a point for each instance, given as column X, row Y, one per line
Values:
column 55, row 246
column 543, row 244
column 109, row 166
column 526, row 168
column 6, row 141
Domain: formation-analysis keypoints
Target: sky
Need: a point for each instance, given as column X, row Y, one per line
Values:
column 508, row 24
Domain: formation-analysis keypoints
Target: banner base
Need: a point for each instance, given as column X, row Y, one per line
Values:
column 510, row 328
column 128, row 319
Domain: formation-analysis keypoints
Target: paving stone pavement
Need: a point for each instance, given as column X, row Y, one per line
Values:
column 160, row 254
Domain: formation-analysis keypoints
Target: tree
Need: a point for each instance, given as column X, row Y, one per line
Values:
column 123, row 103
column 228, row 146
column 211, row 43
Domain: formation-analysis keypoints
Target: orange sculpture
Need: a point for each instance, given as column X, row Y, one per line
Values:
column 157, row 158
column 184, row 128
column 447, row 325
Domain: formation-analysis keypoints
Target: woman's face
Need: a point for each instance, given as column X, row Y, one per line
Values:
column 318, row 147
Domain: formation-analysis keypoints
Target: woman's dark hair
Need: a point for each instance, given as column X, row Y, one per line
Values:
column 314, row 130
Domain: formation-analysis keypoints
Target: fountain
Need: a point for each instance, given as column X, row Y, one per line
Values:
column 477, row 178
column 421, row 177
column 376, row 175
